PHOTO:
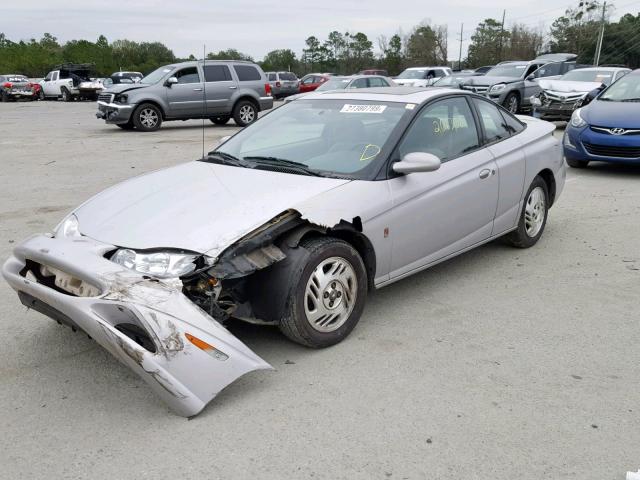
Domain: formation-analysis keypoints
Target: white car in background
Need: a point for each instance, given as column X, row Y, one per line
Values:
column 421, row 76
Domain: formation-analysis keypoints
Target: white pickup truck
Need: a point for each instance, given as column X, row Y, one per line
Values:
column 70, row 82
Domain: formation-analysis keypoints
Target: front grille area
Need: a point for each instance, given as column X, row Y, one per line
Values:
column 607, row 130
column 105, row 97
column 611, row 151
column 475, row 88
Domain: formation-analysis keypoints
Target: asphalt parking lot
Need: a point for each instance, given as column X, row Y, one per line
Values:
column 499, row 364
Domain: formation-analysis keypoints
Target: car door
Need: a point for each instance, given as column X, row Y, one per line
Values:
column 307, row 84
column 219, row 88
column 531, row 87
column 500, row 131
column 437, row 214
column 49, row 86
column 186, row 98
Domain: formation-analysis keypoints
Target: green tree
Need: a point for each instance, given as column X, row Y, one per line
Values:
column 280, row 60
column 229, row 54
column 486, row 43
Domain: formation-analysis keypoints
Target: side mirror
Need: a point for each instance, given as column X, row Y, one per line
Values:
column 416, row 162
column 171, row 81
column 530, row 78
column 588, row 98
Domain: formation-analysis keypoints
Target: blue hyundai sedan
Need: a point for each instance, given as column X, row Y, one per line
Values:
column 608, row 129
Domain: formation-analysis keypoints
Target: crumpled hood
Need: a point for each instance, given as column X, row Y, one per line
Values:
column 196, row 206
column 612, row 114
column 485, row 81
column 566, row 86
column 124, row 87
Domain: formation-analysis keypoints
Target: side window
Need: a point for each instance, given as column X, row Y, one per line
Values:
column 549, row 70
column 445, row 128
column 495, row 126
column 187, row 75
column 377, row 82
column 54, row 76
column 308, row 80
column 246, row 73
column 531, row 69
column 216, row 73
column 359, row 83
column 513, row 125
column 48, row 77
column 439, row 73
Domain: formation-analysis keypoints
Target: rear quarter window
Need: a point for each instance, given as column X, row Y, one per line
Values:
column 247, row 73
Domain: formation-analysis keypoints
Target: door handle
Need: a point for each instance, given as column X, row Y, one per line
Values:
column 484, row 173
column 232, row 87
column 197, row 89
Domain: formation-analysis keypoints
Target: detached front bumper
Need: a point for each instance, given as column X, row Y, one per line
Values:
column 184, row 355
column 114, row 112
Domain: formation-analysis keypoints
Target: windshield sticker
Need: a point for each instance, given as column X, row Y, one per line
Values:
column 410, row 106
column 363, row 108
column 369, row 152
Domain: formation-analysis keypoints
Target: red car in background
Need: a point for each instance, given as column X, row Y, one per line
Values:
column 311, row 81
column 13, row 87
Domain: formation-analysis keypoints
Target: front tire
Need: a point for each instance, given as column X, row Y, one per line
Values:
column 66, row 95
column 577, row 163
column 328, row 294
column 533, row 217
column 244, row 113
column 147, row 117
column 512, row 103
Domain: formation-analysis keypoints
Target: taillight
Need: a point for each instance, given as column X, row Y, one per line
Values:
column 267, row 89
column 7, row 85
column 278, row 84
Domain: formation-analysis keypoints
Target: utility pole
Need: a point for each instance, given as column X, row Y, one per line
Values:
column 504, row 12
column 460, row 55
column 596, row 61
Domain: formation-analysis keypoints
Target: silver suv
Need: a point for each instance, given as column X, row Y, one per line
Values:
column 177, row 92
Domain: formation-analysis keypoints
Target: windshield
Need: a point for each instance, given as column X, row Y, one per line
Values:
column 156, row 75
column 343, row 138
column 420, row 74
column 624, row 90
column 335, row 83
column 514, row 71
column 600, row 76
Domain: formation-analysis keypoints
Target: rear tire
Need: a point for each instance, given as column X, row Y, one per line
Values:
column 577, row 163
column 326, row 294
column 533, row 217
column 245, row 113
column 147, row 117
column 221, row 120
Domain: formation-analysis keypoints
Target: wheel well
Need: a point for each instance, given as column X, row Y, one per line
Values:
column 250, row 99
column 549, row 179
column 359, row 242
column 155, row 104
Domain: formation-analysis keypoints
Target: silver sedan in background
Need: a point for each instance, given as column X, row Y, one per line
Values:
column 349, row 82
column 292, row 222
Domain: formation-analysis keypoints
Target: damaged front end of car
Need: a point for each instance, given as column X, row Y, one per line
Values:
column 167, row 328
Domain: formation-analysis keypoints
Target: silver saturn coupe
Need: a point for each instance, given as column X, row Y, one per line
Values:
column 293, row 221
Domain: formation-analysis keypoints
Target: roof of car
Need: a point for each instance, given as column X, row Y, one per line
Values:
column 422, row 68
column 386, row 94
column 596, row 69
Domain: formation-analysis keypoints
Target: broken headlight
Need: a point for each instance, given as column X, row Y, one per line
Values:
column 156, row 264
column 68, row 228
column 122, row 98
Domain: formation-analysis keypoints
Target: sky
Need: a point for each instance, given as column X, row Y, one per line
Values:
column 256, row 27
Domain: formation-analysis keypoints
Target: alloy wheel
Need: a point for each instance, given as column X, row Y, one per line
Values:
column 534, row 212
column 247, row 114
column 331, row 294
column 148, row 117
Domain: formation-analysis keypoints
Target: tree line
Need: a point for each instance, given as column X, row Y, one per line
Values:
column 576, row 31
